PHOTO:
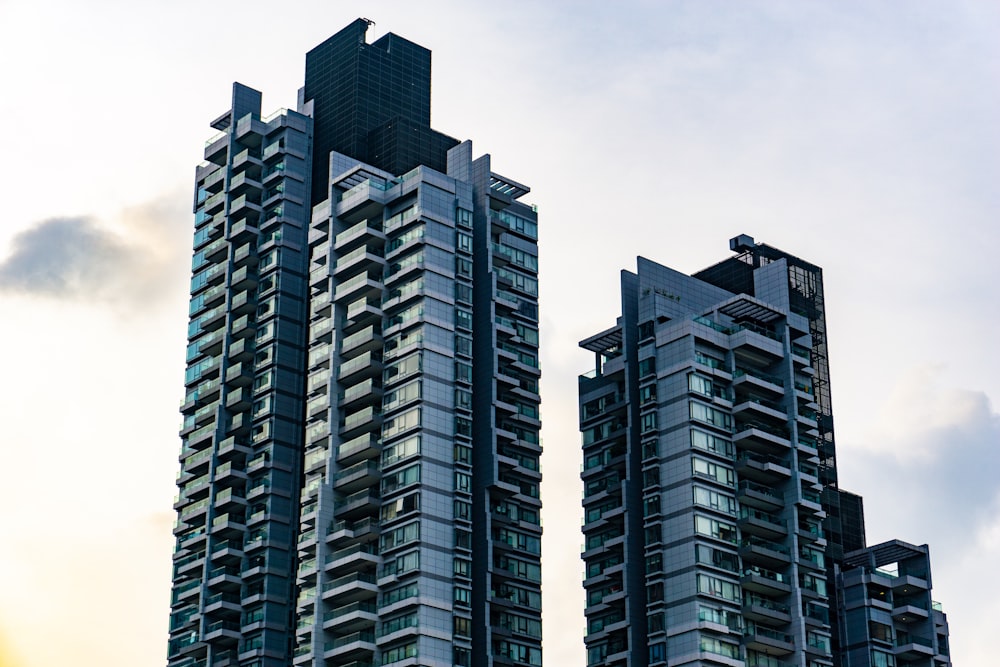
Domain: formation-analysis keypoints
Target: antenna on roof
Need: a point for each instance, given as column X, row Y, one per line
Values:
column 368, row 21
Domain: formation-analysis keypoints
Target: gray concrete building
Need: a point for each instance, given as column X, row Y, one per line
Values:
column 359, row 476
column 713, row 521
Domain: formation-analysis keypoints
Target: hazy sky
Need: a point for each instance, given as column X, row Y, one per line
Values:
column 861, row 136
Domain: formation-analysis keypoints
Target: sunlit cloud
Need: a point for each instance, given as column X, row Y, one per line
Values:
column 130, row 261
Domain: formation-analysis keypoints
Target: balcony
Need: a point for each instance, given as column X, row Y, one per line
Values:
column 353, row 558
column 351, row 617
column 362, row 312
column 363, row 366
column 756, row 522
column 351, row 588
column 366, row 419
column 760, row 608
column 746, row 378
column 912, row 647
column 239, row 399
column 244, row 278
column 240, row 375
column 363, row 232
column 365, row 446
column 351, row 532
column 908, row 613
column 357, row 646
column 362, row 201
column 764, row 552
column 228, row 525
column 762, row 468
column 360, row 504
column 226, row 577
column 758, row 579
column 229, row 474
column 767, row 640
column 361, row 341
column 760, row 437
column 245, row 208
column 362, row 258
column 755, row 409
column 359, row 476
column 361, row 286
column 759, row 496
column 222, row 602
column 224, row 632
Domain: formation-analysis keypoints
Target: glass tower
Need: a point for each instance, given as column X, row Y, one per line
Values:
column 359, row 470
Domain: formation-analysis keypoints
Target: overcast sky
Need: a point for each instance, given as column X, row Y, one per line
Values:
column 861, row 136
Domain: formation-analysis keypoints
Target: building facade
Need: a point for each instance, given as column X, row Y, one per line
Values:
column 887, row 616
column 359, row 471
column 713, row 522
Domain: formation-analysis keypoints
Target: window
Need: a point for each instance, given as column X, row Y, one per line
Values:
column 408, row 562
column 463, row 510
column 463, row 482
column 401, row 422
column 398, row 536
column 883, row 659
column 394, row 595
column 463, row 293
column 463, row 242
column 463, row 426
column 658, row 652
column 463, row 627
column 518, row 595
column 463, row 372
column 519, row 541
column 462, row 657
column 647, row 394
column 720, row 530
column 520, row 625
column 463, row 218
column 398, row 653
column 714, row 471
column 463, row 538
column 463, row 346
column 719, row 588
column 518, row 652
column 715, row 500
column 647, row 422
column 463, row 596
column 401, row 478
column 719, row 647
column 401, row 450
column 709, row 415
column 463, row 567
column 717, row 558
column 523, row 569
column 400, row 506
column 403, row 368
column 463, row 453
column 399, row 623
column 651, row 506
column 463, row 267
column 654, row 563
column 401, row 396
column 463, row 319
column 711, row 443
column 647, row 366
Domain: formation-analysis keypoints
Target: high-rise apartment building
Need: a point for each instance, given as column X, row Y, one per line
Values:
column 714, row 526
column 359, row 470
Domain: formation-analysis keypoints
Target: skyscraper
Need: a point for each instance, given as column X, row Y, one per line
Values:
column 714, row 526
column 359, row 469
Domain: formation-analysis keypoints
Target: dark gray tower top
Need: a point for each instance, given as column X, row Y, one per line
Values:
column 372, row 102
